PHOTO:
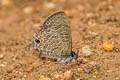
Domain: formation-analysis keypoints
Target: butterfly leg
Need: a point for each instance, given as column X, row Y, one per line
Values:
column 64, row 60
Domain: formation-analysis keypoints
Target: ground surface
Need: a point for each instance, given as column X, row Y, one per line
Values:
column 92, row 22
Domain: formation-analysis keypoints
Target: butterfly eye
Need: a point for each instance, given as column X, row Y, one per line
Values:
column 38, row 41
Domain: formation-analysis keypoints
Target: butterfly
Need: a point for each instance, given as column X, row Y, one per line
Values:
column 53, row 38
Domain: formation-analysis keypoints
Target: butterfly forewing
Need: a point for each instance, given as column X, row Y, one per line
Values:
column 56, row 19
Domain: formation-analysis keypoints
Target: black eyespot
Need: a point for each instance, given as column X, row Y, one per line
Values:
column 37, row 41
column 73, row 54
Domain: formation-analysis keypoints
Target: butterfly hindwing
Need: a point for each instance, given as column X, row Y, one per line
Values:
column 55, row 36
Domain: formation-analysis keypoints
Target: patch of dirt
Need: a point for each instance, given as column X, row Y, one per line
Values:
column 92, row 22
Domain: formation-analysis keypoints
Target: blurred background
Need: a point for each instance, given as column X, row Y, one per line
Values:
column 95, row 30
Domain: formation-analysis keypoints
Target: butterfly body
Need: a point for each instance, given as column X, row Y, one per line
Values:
column 54, row 38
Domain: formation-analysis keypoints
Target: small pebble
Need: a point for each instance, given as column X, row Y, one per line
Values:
column 28, row 10
column 5, row 3
column 1, row 56
column 92, row 63
column 86, row 50
column 57, row 76
column 111, row 19
column 109, row 71
column 49, row 5
column 2, row 65
column 42, row 77
column 108, row 46
column 67, row 12
column 117, row 49
column 93, row 33
column 92, row 67
column 82, row 61
column 78, row 79
column 67, row 75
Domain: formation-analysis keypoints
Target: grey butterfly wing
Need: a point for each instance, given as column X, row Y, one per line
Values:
column 56, row 37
